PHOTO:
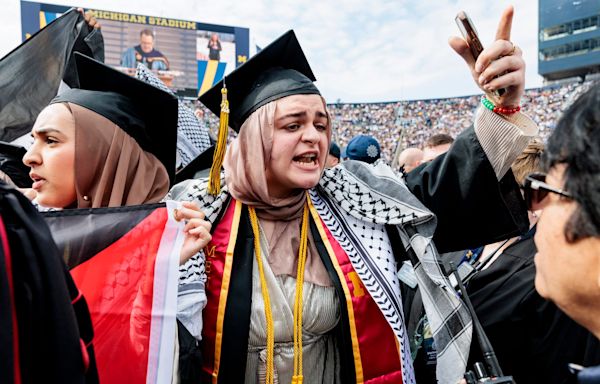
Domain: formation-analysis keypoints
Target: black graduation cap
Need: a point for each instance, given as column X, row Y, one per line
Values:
column 146, row 113
column 11, row 163
column 200, row 163
column 279, row 70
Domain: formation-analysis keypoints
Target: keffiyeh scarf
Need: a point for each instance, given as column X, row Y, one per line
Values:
column 356, row 201
column 192, row 136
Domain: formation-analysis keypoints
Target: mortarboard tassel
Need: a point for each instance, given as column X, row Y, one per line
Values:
column 214, row 180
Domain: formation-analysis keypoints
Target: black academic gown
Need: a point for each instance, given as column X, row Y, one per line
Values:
column 533, row 339
column 457, row 187
column 38, row 295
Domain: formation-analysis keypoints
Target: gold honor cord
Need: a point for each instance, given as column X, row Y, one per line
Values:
column 298, row 305
column 297, row 377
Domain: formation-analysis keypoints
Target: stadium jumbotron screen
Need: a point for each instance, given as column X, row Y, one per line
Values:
column 188, row 56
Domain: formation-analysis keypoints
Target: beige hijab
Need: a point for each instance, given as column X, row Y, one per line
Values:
column 280, row 219
column 111, row 169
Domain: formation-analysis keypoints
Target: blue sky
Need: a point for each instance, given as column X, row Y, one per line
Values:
column 360, row 50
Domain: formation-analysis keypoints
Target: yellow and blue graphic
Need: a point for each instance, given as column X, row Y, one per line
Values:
column 211, row 72
column 48, row 17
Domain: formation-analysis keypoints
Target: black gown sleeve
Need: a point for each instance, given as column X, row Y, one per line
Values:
column 460, row 187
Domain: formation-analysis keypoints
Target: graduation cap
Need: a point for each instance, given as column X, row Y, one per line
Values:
column 11, row 163
column 277, row 71
column 144, row 112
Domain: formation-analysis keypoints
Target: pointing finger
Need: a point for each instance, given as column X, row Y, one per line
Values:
column 505, row 25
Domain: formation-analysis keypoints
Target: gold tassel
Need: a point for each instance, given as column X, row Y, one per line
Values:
column 214, row 180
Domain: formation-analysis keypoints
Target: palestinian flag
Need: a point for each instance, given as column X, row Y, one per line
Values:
column 125, row 262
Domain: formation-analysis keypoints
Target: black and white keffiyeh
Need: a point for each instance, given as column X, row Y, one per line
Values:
column 356, row 200
column 359, row 238
column 192, row 136
column 191, row 295
column 374, row 194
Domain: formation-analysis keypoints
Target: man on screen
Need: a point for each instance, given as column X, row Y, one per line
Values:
column 145, row 53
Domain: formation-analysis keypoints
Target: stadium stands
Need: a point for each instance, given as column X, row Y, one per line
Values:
column 413, row 121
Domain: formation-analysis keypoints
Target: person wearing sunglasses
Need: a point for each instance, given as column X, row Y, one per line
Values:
column 535, row 190
column 524, row 328
column 568, row 230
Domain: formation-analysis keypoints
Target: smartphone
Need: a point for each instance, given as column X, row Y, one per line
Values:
column 469, row 33
column 467, row 29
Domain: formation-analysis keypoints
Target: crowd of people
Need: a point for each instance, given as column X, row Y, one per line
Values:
column 175, row 251
column 410, row 123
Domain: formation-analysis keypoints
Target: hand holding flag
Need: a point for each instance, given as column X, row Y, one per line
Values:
column 197, row 230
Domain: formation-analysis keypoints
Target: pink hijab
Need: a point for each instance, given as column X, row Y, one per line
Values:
column 246, row 177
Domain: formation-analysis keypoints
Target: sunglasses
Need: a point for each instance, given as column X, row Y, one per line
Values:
column 535, row 190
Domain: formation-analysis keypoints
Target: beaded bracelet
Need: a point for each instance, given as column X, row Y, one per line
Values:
column 502, row 110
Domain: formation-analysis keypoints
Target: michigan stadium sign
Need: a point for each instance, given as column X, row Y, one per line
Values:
column 196, row 55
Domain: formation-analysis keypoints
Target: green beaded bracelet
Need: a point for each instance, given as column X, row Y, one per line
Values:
column 501, row 110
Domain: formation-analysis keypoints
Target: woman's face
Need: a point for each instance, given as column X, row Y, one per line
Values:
column 566, row 273
column 52, row 157
column 300, row 144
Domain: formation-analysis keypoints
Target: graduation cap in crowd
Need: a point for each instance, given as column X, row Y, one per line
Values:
column 11, row 163
column 144, row 112
column 277, row 71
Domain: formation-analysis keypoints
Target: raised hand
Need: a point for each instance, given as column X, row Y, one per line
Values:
column 500, row 65
column 90, row 19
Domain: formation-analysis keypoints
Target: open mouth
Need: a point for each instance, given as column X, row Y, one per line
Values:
column 307, row 159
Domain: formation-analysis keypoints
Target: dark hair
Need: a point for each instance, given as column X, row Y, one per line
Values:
column 334, row 150
column 147, row 32
column 576, row 143
column 439, row 139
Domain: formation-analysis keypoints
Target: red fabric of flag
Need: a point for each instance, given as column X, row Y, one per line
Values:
column 118, row 285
